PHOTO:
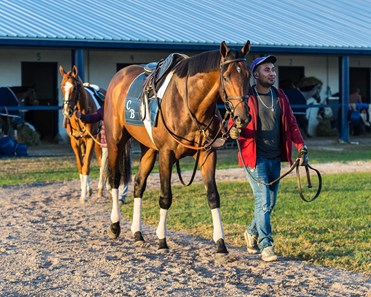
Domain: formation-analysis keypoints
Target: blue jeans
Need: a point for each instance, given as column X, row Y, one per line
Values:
column 265, row 197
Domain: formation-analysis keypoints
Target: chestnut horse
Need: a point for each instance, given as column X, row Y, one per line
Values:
column 188, row 118
column 81, row 135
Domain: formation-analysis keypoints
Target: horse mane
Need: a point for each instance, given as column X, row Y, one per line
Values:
column 203, row 62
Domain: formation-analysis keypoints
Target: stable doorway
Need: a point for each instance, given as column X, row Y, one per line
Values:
column 43, row 76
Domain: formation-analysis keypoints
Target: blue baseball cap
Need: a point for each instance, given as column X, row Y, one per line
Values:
column 261, row 60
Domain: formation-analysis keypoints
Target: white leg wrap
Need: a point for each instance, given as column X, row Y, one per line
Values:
column 217, row 223
column 137, row 216
column 84, row 186
column 115, row 214
column 161, row 229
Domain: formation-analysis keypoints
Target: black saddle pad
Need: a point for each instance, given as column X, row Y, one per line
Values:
column 133, row 100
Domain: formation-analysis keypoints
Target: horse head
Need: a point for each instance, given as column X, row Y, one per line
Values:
column 235, row 82
column 71, row 85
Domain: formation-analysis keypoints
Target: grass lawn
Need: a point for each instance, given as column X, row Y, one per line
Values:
column 334, row 230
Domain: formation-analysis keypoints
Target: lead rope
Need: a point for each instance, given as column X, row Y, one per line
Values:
column 293, row 166
column 86, row 130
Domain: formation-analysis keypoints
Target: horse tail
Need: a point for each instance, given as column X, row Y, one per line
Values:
column 125, row 162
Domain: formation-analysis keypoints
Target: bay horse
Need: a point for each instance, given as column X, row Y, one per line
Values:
column 188, row 118
column 81, row 134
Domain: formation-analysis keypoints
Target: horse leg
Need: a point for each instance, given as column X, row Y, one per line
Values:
column 207, row 163
column 101, row 154
column 79, row 161
column 116, row 151
column 102, row 171
column 147, row 162
column 166, row 161
column 114, row 229
column 85, row 171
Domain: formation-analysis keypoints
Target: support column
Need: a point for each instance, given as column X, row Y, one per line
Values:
column 344, row 97
column 78, row 60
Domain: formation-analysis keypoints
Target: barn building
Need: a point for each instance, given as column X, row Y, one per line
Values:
column 330, row 40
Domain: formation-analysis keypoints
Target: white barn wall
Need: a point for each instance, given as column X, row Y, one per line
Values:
column 100, row 66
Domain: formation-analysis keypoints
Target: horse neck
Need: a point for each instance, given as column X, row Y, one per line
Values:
column 202, row 100
column 82, row 103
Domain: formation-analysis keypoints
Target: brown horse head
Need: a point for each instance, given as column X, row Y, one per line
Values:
column 235, row 82
column 71, row 87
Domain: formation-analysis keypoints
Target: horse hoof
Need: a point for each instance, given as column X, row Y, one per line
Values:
column 221, row 258
column 221, row 248
column 114, row 230
column 138, row 238
column 162, row 246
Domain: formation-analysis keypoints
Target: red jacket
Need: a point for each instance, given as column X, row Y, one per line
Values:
column 290, row 132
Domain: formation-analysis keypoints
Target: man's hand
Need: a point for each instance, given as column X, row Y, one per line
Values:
column 234, row 133
column 303, row 156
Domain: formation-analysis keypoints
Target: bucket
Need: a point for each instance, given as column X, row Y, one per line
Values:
column 7, row 146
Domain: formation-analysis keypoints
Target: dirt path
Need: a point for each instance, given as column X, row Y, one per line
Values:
column 50, row 245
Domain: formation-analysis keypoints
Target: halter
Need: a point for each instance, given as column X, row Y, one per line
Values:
column 230, row 108
column 228, row 100
column 67, row 101
column 81, row 129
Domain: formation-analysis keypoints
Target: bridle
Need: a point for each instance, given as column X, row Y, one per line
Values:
column 68, row 107
column 229, row 107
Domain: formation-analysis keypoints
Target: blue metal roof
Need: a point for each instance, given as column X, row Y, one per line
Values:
column 331, row 26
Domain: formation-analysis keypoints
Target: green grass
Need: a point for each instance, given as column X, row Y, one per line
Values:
column 17, row 171
column 331, row 231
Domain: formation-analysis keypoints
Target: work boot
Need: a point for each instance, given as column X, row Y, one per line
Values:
column 268, row 254
column 251, row 243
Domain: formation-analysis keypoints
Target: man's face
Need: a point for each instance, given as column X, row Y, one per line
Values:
column 265, row 74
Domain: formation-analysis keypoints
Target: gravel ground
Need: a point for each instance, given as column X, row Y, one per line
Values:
column 51, row 245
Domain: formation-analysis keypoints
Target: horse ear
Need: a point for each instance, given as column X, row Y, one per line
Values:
column 223, row 49
column 246, row 49
column 61, row 70
column 74, row 71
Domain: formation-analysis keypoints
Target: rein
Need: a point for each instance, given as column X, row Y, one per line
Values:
column 83, row 130
column 229, row 108
column 296, row 166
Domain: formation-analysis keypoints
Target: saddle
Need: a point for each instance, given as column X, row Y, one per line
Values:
column 96, row 92
column 157, row 72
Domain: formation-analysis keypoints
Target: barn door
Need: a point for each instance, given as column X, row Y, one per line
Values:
column 43, row 75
